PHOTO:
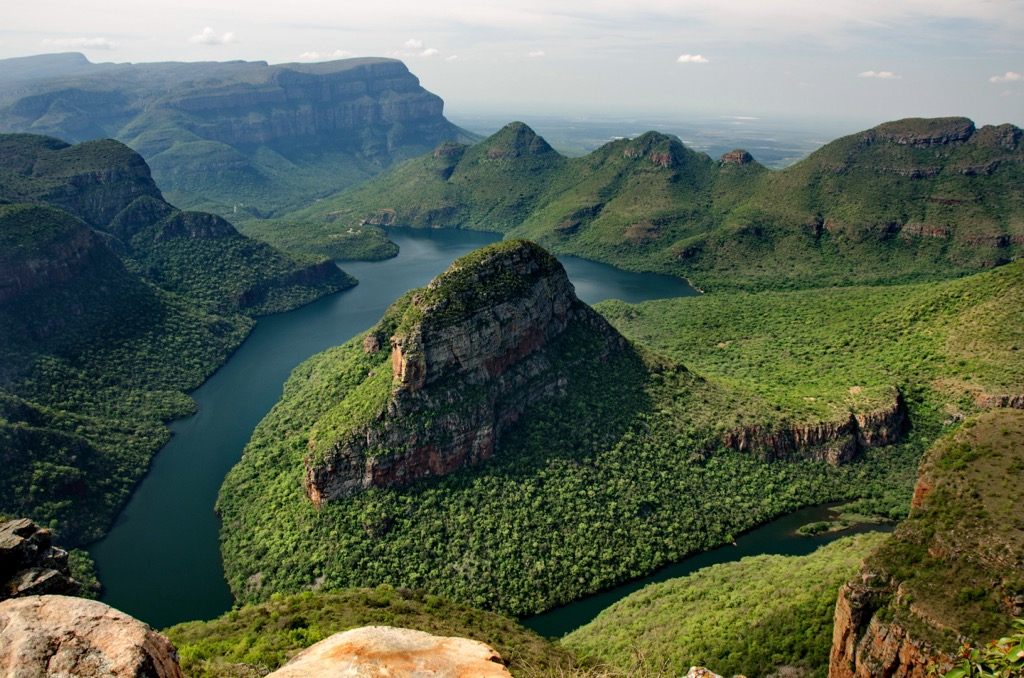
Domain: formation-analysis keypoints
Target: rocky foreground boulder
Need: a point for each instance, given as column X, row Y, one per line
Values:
column 63, row 636
column 374, row 651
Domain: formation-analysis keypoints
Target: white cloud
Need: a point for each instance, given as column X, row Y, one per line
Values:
column 537, row 54
column 326, row 56
column 416, row 48
column 1011, row 76
column 881, row 75
column 692, row 59
column 451, row 57
column 79, row 43
column 208, row 36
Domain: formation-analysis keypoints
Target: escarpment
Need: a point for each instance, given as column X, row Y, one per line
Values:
column 497, row 332
column 836, row 442
column 952, row 572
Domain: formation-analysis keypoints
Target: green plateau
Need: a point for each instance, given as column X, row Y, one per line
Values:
column 238, row 139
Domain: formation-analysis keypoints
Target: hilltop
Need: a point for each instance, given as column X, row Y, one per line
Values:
column 909, row 200
column 364, row 472
column 235, row 138
column 113, row 305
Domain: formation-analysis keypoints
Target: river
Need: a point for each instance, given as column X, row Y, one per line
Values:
column 778, row 537
column 161, row 560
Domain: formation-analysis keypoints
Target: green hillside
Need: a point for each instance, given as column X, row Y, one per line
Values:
column 755, row 616
column 263, row 637
column 600, row 487
column 906, row 201
column 113, row 305
column 958, row 559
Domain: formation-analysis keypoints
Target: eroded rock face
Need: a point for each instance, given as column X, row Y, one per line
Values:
column 374, row 651
column 865, row 646
column 61, row 636
column 55, row 263
column 835, row 442
column 30, row 564
column 949, row 572
column 480, row 344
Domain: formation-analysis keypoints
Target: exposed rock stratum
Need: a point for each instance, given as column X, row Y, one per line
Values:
column 469, row 353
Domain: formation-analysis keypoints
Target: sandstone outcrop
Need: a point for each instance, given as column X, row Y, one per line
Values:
column 836, row 442
column 61, row 636
column 736, row 157
column 374, row 651
column 491, row 336
column 29, row 562
column 866, row 646
column 952, row 570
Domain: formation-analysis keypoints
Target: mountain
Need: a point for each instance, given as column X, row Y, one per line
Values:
column 469, row 354
column 234, row 137
column 915, row 199
column 113, row 305
column 952, row 572
column 492, row 440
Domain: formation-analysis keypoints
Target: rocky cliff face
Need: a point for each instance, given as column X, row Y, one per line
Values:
column 239, row 134
column 52, row 261
column 299, row 100
column 836, row 442
column 952, row 572
column 485, row 340
column 30, row 564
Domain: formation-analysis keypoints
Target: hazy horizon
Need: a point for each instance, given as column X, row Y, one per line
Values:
column 862, row 61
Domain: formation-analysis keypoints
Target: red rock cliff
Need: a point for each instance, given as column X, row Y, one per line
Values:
column 484, row 341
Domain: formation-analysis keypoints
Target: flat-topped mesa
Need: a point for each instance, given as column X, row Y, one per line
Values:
column 497, row 332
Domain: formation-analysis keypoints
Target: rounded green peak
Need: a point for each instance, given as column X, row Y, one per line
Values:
column 490, row 275
column 28, row 229
column 516, row 139
column 662, row 149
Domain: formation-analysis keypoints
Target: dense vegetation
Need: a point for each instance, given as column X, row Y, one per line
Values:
column 911, row 200
column 959, row 557
column 814, row 353
column 260, row 638
column 113, row 305
column 753, row 616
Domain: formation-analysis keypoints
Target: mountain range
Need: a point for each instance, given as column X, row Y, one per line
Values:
column 908, row 200
column 230, row 137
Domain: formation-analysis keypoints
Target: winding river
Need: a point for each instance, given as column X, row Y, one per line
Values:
column 161, row 561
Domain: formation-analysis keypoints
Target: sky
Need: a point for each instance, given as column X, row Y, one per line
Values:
column 856, row 61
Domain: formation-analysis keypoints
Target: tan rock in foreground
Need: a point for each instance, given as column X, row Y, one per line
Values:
column 62, row 636
column 374, row 651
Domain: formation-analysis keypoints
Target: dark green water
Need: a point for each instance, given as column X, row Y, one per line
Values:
column 161, row 561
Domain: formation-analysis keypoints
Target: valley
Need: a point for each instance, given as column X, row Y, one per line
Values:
column 469, row 424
